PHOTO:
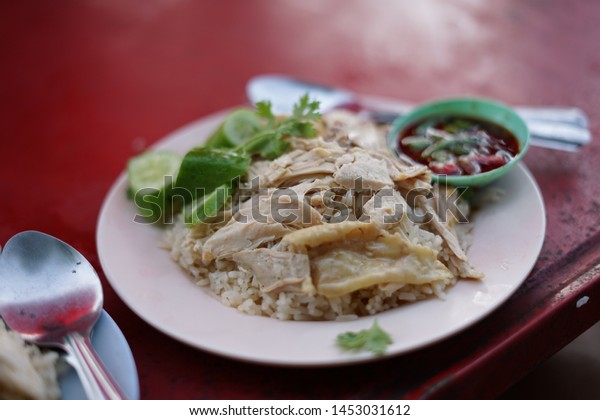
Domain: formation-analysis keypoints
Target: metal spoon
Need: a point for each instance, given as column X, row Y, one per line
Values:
column 551, row 127
column 51, row 295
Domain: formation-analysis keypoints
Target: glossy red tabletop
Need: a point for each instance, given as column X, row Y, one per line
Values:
column 85, row 85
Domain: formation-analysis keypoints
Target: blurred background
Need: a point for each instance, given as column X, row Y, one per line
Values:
column 87, row 84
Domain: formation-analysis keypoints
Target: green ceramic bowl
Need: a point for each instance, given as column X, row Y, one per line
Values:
column 482, row 109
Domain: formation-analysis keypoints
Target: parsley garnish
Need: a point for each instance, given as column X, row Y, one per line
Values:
column 374, row 340
column 270, row 142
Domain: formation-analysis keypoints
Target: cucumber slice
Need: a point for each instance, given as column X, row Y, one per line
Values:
column 237, row 128
column 151, row 177
column 241, row 125
column 150, row 169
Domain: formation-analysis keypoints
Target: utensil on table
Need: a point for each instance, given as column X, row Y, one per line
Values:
column 550, row 127
column 51, row 295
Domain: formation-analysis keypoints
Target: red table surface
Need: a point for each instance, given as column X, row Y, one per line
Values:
column 85, row 85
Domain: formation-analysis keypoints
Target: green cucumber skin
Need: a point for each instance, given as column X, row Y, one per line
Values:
column 207, row 206
column 157, row 205
column 203, row 170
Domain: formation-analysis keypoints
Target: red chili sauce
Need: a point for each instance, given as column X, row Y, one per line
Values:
column 458, row 145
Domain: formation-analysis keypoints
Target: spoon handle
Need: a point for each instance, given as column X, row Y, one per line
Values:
column 97, row 381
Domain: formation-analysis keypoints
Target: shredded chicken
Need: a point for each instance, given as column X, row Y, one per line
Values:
column 349, row 129
column 359, row 167
column 299, row 165
column 277, row 271
column 303, row 239
column 340, row 269
column 237, row 236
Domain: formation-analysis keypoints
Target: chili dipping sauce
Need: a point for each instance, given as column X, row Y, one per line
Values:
column 456, row 145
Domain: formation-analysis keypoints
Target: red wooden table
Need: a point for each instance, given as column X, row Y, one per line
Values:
column 85, row 85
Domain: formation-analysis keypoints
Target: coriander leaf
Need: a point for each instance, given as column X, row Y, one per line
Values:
column 273, row 149
column 374, row 339
column 377, row 340
column 270, row 141
column 352, row 340
column 305, row 109
column 268, row 144
column 301, row 129
column 263, row 109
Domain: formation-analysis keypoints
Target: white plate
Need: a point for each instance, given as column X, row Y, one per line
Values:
column 507, row 239
column 113, row 350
